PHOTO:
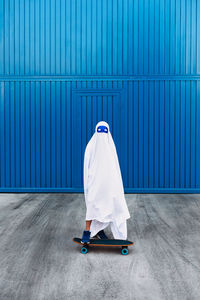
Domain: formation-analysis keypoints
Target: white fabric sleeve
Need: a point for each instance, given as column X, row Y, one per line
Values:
column 87, row 159
column 114, row 151
column 85, row 173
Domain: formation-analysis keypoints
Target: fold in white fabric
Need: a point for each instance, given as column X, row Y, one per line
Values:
column 103, row 186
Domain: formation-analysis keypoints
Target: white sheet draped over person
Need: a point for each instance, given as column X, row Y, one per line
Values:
column 103, row 186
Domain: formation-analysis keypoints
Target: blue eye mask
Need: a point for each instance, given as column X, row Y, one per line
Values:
column 102, row 129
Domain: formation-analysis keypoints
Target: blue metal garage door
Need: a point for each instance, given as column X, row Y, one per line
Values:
column 65, row 65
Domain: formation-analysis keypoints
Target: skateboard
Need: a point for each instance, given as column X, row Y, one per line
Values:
column 106, row 243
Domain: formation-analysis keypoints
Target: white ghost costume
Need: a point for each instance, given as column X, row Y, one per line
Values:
column 103, row 186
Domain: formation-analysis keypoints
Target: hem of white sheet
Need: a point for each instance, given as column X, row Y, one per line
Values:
column 119, row 232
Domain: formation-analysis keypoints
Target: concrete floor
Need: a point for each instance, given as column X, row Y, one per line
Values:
column 38, row 259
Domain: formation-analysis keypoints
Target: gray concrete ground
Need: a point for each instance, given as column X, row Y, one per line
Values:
column 38, row 259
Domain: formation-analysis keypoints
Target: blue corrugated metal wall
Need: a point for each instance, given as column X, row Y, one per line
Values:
column 66, row 64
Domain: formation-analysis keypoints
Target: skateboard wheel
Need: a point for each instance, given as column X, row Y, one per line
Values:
column 124, row 251
column 84, row 250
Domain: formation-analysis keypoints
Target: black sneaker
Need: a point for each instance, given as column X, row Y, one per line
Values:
column 85, row 237
column 101, row 235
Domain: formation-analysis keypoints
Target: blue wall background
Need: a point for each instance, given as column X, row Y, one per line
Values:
column 66, row 64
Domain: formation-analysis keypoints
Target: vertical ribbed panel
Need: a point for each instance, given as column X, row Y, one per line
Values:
column 35, row 123
column 163, row 135
column 67, row 64
column 45, row 127
column 99, row 37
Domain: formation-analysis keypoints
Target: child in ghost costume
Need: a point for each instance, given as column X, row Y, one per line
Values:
column 103, row 187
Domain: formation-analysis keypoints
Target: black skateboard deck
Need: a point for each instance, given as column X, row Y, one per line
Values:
column 106, row 243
